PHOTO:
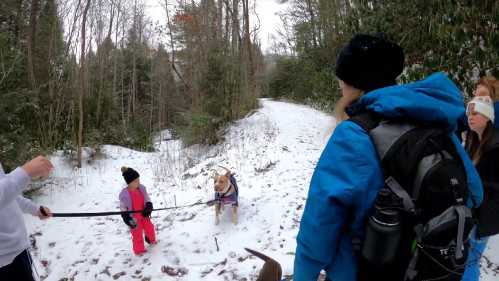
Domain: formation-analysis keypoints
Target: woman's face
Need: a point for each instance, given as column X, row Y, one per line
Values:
column 481, row 91
column 348, row 91
column 477, row 121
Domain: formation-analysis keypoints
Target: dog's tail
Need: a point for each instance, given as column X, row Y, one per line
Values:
column 271, row 270
column 258, row 254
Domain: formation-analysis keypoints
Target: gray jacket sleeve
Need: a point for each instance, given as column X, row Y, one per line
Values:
column 27, row 206
column 123, row 206
column 12, row 184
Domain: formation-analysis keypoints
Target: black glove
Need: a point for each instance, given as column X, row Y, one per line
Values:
column 129, row 220
column 147, row 210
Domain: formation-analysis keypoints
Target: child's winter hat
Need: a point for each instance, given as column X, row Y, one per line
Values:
column 482, row 105
column 129, row 174
column 370, row 62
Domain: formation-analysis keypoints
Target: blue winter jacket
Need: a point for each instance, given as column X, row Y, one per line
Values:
column 348, row 176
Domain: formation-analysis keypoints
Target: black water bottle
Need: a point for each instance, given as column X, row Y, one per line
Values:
column 383, row 230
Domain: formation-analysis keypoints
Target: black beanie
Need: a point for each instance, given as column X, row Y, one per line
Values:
column 370, row 62
column 129, row 174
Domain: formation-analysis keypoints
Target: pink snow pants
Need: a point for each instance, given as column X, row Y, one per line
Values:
column 144, row 225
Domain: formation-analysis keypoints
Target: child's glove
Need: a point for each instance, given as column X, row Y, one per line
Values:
column 147, row 210
column 129, row 220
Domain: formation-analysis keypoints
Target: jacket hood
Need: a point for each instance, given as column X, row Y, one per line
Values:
column 435, row 100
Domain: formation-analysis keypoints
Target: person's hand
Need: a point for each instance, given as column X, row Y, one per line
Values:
column 38, row 167
column 128, row 220
column 44, row 213
column 147, row 210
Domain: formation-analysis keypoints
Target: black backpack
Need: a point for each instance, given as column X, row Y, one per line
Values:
column 419, row 225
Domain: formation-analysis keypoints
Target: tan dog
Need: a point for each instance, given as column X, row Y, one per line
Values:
column 271, row 270
column 226, row 193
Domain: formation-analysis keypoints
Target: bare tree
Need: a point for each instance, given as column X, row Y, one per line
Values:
column 82, row 80
column 33, row 19
column 172, row 44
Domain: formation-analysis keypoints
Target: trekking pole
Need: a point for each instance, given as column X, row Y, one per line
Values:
column 104, row 214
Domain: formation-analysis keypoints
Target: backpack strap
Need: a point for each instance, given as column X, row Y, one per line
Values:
column 407, row 201
column 366, row 120
column 369, row 121
column 411, row 272
column 461, row 214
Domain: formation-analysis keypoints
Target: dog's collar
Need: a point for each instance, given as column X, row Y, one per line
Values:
column 221, row 195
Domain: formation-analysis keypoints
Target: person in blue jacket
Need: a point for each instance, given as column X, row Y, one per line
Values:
column 348, row 175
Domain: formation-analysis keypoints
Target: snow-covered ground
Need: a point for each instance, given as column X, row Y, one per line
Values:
column 273, row 153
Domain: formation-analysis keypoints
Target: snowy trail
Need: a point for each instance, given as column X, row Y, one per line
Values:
column 273, row 153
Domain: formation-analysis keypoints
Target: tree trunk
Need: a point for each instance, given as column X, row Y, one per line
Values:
column 172, row 42
column 151, row 80
column 235, row 26
column 33, row 18
column 247, row 39
column 312, row 23
column 115, row 56
column 82, row 81
column 102, row 56
column 134, row 60
column 219, row 20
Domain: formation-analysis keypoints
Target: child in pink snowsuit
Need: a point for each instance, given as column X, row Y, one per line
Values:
column 134, row 197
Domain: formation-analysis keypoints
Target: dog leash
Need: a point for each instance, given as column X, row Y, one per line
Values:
column 104, row 214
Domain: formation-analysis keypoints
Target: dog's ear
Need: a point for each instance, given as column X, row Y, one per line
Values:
column 227, row 173
column 215, row 175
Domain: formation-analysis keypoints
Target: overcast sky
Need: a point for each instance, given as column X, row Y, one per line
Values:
column 266, row 10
